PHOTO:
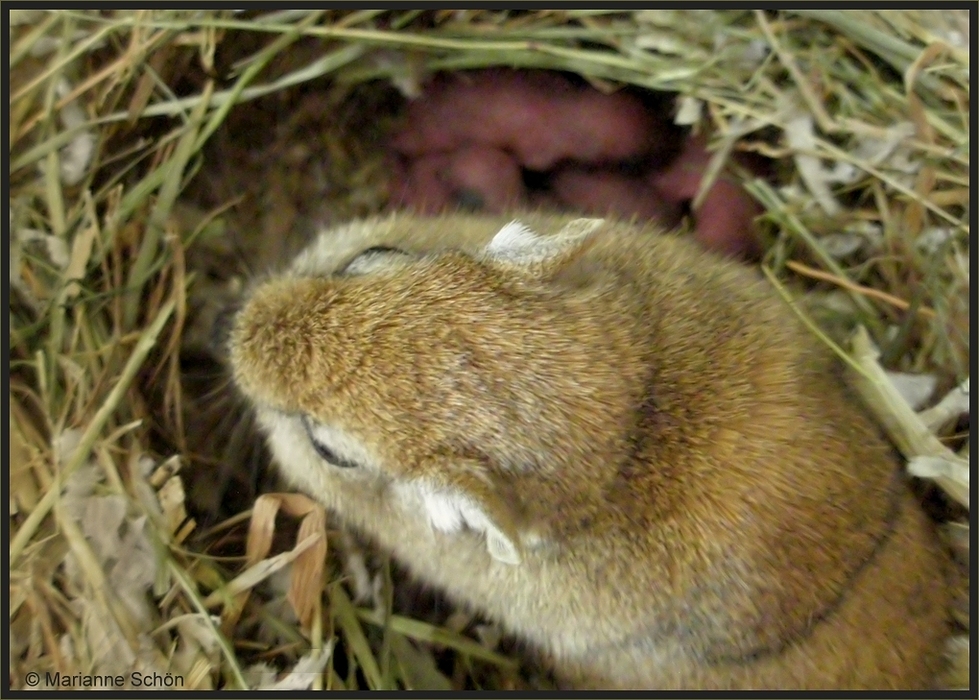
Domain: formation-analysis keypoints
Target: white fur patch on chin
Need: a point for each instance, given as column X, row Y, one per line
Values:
column 450, row 511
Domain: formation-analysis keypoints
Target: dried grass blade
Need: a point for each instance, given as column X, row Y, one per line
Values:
column 426, row 632
column 900, row 421
column 146, row 343
column 356, row 640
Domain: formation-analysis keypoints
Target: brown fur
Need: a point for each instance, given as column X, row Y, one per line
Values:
column 696, row 500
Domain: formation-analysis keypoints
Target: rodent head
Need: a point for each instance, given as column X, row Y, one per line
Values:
column 460, row 380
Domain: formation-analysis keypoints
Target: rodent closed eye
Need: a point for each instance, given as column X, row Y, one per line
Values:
column 324, row 451
column 382, row 249
column 371, row 258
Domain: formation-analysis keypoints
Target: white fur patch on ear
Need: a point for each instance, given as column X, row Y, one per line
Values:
column 516, row 243
column 450, row 511
column 513, row 241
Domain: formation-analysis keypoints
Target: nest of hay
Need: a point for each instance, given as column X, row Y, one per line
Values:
column 158, row 159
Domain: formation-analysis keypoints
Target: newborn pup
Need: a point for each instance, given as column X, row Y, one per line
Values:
column 541, row 117
column 625, row 449
column 471, row 135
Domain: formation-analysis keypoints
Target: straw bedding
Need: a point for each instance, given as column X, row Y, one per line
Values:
column 159, row 160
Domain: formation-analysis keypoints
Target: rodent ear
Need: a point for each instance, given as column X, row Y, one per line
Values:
column 461, row 499
column 516, row 246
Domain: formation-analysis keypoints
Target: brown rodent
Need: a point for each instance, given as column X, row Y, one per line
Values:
column 627, row 450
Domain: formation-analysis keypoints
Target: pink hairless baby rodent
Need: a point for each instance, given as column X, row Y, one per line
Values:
column 497, row 139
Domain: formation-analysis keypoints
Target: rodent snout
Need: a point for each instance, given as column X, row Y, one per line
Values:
column 278, row 342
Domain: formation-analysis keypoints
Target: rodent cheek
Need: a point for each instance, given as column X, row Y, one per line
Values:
column 343, row 491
